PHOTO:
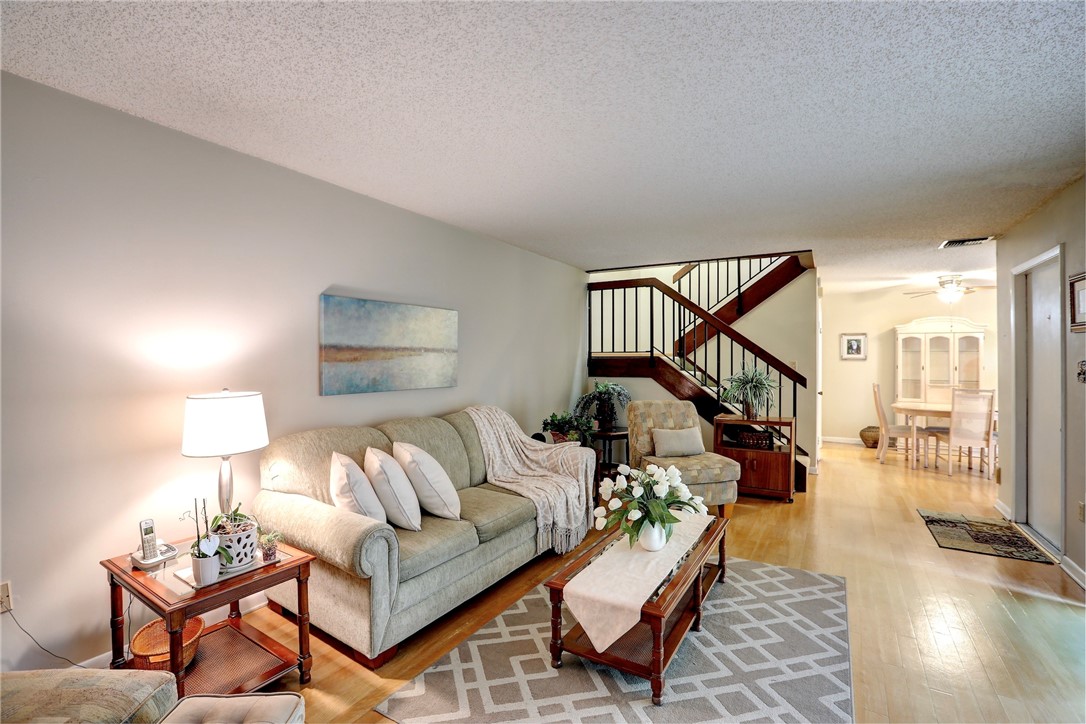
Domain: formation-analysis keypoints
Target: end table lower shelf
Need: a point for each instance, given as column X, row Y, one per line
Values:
column 234, row 658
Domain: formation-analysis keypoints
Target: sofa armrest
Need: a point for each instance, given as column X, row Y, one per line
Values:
column 357, row 544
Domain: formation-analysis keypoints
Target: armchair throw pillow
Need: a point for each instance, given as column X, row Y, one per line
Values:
column 352, row 490
column 432, row 484
column 677, row 443
column 394, row 489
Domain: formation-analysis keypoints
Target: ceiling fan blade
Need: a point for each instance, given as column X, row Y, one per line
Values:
column 914, row 295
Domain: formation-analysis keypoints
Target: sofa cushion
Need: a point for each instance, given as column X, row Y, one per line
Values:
column 494, row 513
column 351, row 489
column 473, row 446
column 432, row 485
column 393, row 489
column 298, row 463
column 77, row 695
column 439, row 540
column 438, row 438
column 699, row 469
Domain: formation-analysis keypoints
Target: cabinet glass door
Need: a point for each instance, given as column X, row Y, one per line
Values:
column 912, row 368
column 968, row 361
column 939, row 367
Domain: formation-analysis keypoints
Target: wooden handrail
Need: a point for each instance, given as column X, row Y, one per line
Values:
column 726, row 329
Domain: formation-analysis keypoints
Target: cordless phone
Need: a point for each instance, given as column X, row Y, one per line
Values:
column 148, row 542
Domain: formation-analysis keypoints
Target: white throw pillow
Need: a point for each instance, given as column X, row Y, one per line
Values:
column 432, row 484
column 351, row 489
column 677, row 443
column 394, row 489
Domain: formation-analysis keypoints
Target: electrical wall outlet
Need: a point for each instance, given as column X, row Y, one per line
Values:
column 5, row 596
column 1081, row 512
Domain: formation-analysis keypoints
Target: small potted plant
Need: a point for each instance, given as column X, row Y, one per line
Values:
column 207, row 552
column 604, row 398
column 269, row 543
column 641, row 503
column 238, row 533
column 570, row 426
column 751, row 388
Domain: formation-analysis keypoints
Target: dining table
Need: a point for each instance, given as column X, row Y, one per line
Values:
column 912, row 410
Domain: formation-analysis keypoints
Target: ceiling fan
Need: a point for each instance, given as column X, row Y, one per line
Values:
column 950, row 289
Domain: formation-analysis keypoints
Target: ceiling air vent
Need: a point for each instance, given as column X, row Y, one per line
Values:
column 955, row 243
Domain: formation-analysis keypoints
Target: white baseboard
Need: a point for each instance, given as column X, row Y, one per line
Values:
column 1004, row 510
column 1072, row 569
column 248, row 604
column 844, row 440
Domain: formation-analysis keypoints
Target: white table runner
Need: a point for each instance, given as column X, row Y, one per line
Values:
column 607, row 595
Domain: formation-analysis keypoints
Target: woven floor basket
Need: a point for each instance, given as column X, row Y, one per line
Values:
column 151, row 645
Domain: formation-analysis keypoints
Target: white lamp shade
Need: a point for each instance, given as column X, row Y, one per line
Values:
column 224, row 423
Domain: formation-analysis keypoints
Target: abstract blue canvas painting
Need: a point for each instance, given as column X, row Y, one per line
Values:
column 372, row 346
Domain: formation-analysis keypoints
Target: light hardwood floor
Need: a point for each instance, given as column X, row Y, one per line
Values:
column 936, row 635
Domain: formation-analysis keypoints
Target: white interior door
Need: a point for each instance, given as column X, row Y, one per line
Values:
column 1044, row 467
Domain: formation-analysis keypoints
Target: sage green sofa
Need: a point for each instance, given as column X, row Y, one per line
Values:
column 373, row 585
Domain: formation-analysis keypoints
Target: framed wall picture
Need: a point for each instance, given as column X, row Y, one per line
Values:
column 1078, row 302
column 374, row 346
column 854, row 346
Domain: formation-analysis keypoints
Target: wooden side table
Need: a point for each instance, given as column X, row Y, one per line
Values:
column 233, row 657
column 607, row 465
column 765, row 472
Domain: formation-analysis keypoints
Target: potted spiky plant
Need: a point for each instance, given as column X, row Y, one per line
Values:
column 751, row 388
column 603, row 399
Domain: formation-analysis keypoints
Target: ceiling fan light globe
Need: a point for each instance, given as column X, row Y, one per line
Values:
column 950, row 294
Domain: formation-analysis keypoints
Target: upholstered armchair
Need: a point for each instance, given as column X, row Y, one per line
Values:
column 707, row 474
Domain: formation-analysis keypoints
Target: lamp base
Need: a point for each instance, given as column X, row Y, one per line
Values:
column 226, row 486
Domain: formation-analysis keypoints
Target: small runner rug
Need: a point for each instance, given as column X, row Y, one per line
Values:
column 990, row 536
column 773, row 647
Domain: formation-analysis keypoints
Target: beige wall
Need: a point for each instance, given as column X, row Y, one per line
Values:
column 141, row 265
column 1061, row 221
column 847, row 405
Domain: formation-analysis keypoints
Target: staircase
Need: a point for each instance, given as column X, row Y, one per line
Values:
column 681, row 335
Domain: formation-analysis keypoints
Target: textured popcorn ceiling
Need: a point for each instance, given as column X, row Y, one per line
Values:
column 608, row 134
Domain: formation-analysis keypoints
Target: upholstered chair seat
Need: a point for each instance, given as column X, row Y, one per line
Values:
column 707, row 474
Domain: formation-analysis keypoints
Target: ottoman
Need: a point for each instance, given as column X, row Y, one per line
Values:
column 279, row 708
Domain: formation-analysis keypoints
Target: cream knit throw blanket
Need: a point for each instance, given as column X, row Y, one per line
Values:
column 557, row 478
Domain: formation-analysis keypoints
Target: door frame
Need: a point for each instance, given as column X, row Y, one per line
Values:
column 1019, row 321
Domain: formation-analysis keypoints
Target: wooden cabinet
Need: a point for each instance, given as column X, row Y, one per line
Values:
column 765, row 472
column 936, row 355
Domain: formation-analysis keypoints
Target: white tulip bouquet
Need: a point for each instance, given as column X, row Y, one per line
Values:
column 637, row 497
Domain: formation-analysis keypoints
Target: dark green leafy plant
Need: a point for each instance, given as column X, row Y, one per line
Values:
column 574, row 427
column 207, row 543
column 601, row 402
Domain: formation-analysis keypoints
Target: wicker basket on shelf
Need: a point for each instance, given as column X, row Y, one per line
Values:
column 151, row 645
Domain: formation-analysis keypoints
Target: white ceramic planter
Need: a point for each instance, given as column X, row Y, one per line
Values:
column 652, row 537
column 206, row 570
column 242, row 546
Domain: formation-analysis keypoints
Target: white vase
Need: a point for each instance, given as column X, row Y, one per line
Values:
column 652, row 537
column 205, row 571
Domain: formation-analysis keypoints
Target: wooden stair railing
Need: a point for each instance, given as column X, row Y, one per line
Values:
column 763, row 287
column 635, row 322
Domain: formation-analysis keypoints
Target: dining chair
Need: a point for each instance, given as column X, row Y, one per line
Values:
column 887, row 431
column 971, row 426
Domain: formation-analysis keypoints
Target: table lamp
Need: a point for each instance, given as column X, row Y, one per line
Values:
column 221, row 424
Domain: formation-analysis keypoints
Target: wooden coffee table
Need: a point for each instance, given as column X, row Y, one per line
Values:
column 646, row 649
column 233, row 657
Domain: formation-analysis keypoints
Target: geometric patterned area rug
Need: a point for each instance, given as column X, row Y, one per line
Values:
column 990, row 536
column 773, row 647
